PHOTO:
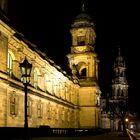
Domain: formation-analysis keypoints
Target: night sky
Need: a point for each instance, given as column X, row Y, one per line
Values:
column 47, row 24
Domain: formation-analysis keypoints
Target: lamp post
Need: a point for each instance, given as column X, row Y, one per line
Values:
column 126, row 121
column 25, row 68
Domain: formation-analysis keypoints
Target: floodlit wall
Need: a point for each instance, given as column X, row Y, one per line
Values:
column 52, row 95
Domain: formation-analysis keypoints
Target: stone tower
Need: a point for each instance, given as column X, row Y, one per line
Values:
column 119, row 93
column 119, row 82
column 84, row 65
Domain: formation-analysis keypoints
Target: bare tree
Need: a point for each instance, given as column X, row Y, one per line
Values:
column 118, row 109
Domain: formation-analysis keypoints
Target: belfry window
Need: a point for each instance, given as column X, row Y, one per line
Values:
column 10, row 65
column 81, row 40
column 83, row 72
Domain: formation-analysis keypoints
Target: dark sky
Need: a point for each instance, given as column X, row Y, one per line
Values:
column 47, row 24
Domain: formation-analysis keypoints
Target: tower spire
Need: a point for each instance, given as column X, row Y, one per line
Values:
column 83, row 7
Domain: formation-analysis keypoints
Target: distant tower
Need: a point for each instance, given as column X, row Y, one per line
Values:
column 4, row 5
column 119, row 82
column 119, row 92
column 84, row 64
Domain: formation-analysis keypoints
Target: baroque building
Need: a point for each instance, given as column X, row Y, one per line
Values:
column 84, row 63
column 55, row 98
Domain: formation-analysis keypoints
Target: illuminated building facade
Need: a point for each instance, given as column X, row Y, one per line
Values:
column 83, row 60
column 54, row 98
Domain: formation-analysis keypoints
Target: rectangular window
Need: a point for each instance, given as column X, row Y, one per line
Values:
column 56, row 111
column 63, row 115
column 49, row 111
column 39, row 110
column 35, row 79
column 68, row 115
column 29, row 107
column 13, row 104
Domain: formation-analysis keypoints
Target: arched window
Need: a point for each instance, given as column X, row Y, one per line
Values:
column 83, row 72
column 61, row 89
column 55, row 87
column 81, row 40
column 47, row 83
column 9, row 65
column 35, row 78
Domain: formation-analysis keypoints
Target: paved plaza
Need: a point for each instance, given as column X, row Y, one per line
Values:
column 107, row 136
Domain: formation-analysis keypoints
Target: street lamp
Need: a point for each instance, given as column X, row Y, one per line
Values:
column 25, row 68
column 126, row 120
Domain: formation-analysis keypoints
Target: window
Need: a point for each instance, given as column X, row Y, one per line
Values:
column 57, row 113
column 49, row 111
column 69, row 115
column 81, row 40
column 47, row 83
column 10, row 65
column 29, row 107
column 83, row 72
column 13, row 104
column 66, row 91
column 39, row 109
column 72, row 116
column 61, row 90
column 63, row 114
column 35, row 78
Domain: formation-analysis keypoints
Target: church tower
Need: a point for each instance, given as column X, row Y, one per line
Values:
column 83, row 62
column 119, row 82
column 119, row 92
